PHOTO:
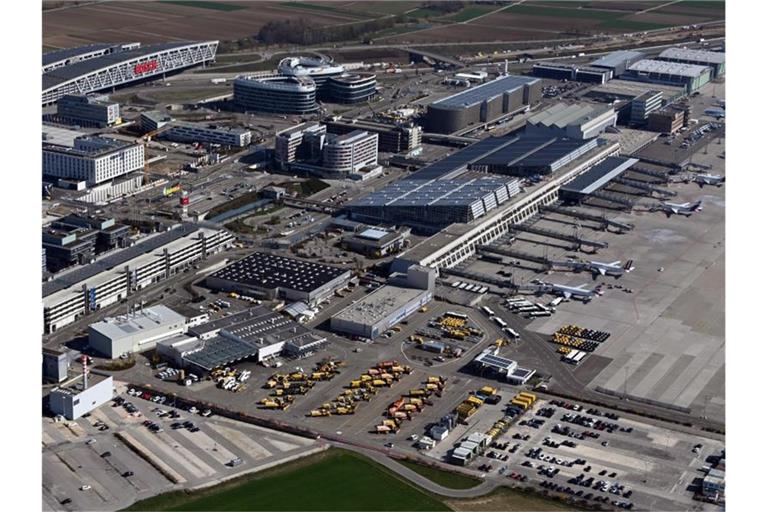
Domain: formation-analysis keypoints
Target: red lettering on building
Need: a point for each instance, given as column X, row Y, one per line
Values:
column 144, row 67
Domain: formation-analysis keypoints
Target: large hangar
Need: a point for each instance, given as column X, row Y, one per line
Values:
column 80, row 72
column 483, row 103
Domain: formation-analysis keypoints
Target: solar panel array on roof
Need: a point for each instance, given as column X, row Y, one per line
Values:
column 485, row 91
column 497, row 362
column 270, row 271
column 535, row 153
column 68, row 53
column 456, row 163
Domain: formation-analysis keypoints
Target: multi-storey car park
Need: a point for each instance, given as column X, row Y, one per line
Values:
column 108, row 280
column 278, row 94
column 482, row 103
column 124, row 64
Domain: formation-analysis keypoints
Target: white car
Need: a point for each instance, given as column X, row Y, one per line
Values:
column 85, row 487
column 193, row 410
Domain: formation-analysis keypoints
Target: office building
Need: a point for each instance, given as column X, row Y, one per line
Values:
column 278, row 94
column 351, row 152
column 576, row 121
column 81, row 395
column 691, row 76
column 153, row 120
column 92, row 159
column 715, row 60
column 387, row 305
column 393, row 138
column 351, row 88
column 207, row 134
column 271, row 276
column 642, row 106
column 667, row 120
column 116, row 276
column 136, row 331
column 482, row 103
column 302, row 142
column 76, row 240
column 88, row 110
column 318, row 69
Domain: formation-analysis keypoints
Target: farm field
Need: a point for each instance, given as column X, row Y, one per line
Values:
column 332, row 480
column 505, row 498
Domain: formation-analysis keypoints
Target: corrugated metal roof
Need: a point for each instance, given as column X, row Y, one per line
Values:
column 485, row 91
column 669, row 68
column 617, row 58
column 693, row 55
column 562, row 114
column 68, row 53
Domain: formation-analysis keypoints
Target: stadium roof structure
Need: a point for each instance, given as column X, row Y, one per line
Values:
column 614, row 59
column 661, row 67
column 693, row 55
column 485, row 91
column 599, row 175
column 123, row 67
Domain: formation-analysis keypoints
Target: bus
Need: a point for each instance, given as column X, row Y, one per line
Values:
column 542, row 307
column 454, row 285
column 555, row 302
column 463, row 286
column 456, row 315
column 499, row 321
column 536, row 314
column 488, row 311
column 511, row 332
column 483, row 289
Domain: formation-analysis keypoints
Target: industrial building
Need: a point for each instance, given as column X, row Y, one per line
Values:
column 278, row 94
column 319, row 69
column 376, row 242
column 351, row 88
column 272, row 276
column 393, row 138
column 618, row 62
column 153, row 120
column 576, row 121
column 429, row 205
column 55, row 365
column 114, row 277
column 715, row 60
column 135, row 331
column 351, row 152
column 74, row 239
column 387, row 305
column 92, row 159
column 80, row 395
column 531, row 154
column 666, row 120
column 691, row 76
column 642, row 106
column 77, row 71
column 482, row 103
column 302, row 142
column 88, row 110
column 573, row 72
column 210, row 134
column 596, row 177
column 257, row 333
column 507, row 369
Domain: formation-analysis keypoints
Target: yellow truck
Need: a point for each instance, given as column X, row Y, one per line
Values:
column 417, row 392
column 472, row 399
column 520, row 403
column 528, row 395
column 488, row 390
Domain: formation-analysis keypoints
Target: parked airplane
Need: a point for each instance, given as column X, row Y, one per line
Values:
column 577, row 292
column 611, row 269
column 680, row 209
column 709, row 179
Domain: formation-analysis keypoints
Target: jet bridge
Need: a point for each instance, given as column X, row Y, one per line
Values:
column 578, row 241
column 588, row 216
column 644, row 186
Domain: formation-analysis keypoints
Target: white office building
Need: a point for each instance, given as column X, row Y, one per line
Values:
column 92, row 159
column 189, row 132
column 351, row 152
column 136, row 331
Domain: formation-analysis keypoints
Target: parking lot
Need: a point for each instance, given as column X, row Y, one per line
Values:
column 97, row 468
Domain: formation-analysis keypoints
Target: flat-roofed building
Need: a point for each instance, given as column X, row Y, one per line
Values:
column 205, row 133
column 715, row 60
column 376, row 242
column 351, row 152
column 691, row 76
column 576, row 121
column 278, row 94
column 76, row 397
column 667, row 120
column 642, row 106
column 92, row 159
column 393, row 138
column 88, row 110
column 153, row 120
column 136, row 331
column 302, row 142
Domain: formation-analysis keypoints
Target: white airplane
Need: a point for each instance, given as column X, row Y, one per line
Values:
column 579, row 292
column 680, row 209
column 709, row 179
column 611, row 269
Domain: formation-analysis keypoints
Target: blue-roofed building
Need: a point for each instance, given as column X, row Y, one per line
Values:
column 429, row 205
column 482, row 103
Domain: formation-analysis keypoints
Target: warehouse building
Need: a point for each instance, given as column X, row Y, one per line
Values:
column 92, row 159
column 387, row 305
column 618, row 62
column 531, row 154
column 136, row 331
column 88, row 110
column 116, row 276
column 351, row 88
column 210, row 134
column 642, row 106
column 573, row 72
column 81, row 395
column 393, row 138
column 271, row 276
column 482, row 103
column 429, row 205
column 257, row 333
column 715, row 60
column 667, row 120
column 278, row 94
column 576, row 121
column 596, row 177
column 691, row 76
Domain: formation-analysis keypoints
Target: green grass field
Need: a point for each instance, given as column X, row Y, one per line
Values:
column 335, row 480
column 445, row 478
column 471, row 12
column 325, row 8
column 215, row 6
column 608, row 19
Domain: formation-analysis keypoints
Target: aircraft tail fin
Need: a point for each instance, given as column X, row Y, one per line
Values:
column 628, row 266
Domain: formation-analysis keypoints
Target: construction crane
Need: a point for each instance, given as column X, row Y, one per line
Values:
column 145, row 140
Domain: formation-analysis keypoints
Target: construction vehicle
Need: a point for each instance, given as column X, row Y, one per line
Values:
column 417, row 392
